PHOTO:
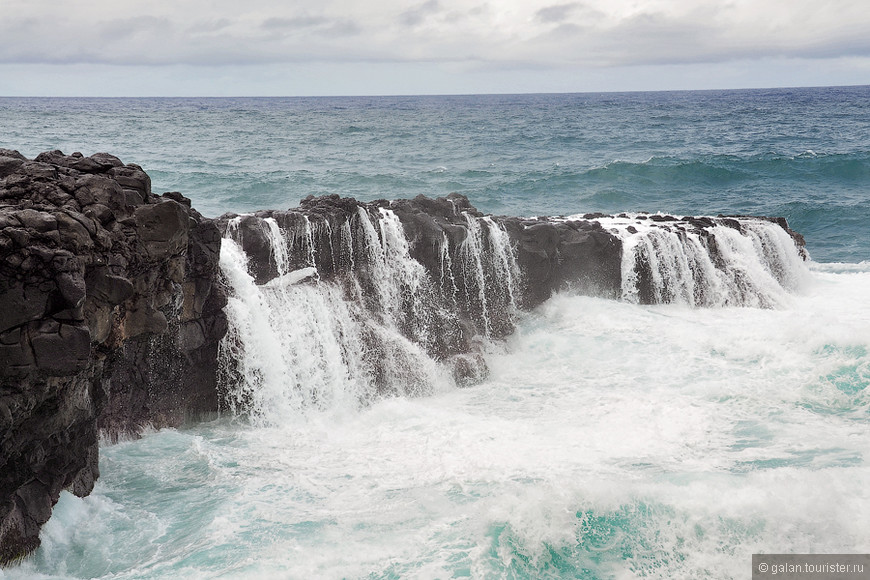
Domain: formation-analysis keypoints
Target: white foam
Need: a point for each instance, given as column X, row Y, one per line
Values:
column 293, row 277
column 654, row 441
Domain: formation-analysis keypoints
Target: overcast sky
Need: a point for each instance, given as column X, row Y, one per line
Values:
column 346, row 47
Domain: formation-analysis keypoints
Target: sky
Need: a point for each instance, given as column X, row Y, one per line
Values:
column 395, row 47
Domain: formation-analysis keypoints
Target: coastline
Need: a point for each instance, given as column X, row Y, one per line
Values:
column 114, row 306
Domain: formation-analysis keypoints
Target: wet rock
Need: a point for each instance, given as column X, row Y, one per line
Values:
column 94, row 332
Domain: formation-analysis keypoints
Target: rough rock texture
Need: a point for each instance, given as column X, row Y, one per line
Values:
column 556, row 255
column 110, row 316
column 552, row 254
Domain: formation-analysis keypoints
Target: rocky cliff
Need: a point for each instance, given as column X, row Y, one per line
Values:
column 110, row 317
column 113, row 306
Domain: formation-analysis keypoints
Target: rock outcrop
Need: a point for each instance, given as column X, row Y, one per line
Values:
column 444, row 275
column 112, row 302
column 110, row 317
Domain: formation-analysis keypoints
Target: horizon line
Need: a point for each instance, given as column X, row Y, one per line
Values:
column 397, row 95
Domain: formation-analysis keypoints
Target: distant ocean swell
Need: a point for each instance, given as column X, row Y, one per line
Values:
column 726, row 175
column 731, row 169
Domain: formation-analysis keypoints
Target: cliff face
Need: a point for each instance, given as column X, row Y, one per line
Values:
column 110, row 316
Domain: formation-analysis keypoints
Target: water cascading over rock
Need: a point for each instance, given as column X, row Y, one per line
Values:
column 354, row 302
column 114, row 311
column 340, row 301
column 721, row 261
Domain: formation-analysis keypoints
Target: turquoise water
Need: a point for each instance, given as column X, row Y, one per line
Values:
column 611, row 440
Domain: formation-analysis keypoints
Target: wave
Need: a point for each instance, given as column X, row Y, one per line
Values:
column 841, row 267
column 728, row 169
column 661, row 170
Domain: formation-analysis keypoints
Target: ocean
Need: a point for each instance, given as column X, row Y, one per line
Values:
column 611, row 439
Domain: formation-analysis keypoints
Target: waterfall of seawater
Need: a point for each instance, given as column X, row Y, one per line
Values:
column 379, row 323
column 382, row 324
column 757, row 265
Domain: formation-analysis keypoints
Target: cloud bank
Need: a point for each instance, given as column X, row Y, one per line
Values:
column 305, row 47
column 498, row 33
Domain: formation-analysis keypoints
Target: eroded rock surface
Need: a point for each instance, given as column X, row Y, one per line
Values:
column 110, row 316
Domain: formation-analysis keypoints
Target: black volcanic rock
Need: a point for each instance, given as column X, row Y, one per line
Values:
column 110, row 316
column 556, row 255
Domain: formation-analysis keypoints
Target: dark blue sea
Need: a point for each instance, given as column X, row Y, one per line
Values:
column 611, row 440
column 799, row 153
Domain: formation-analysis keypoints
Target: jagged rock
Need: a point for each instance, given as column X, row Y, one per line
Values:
column 110, row 317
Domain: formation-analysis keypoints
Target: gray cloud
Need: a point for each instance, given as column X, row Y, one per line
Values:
column 416, row 16
column 557, row 13
column 649, row 38
column 315, row 24
column 146, row 27
column 294, row 23
column 210, row 26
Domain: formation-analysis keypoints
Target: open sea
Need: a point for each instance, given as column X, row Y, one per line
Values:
column 610, row 440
